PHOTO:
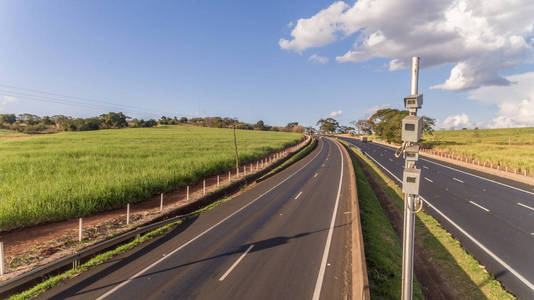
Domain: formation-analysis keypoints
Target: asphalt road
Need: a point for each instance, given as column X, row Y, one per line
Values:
column 492, row 217
column 285, row 238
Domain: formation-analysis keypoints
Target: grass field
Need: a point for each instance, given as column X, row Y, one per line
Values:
column 512, row 147
column 54, row 177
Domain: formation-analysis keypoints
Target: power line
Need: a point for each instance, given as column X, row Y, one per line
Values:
column 42, row 96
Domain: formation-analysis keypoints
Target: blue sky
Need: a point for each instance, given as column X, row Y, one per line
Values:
column 198, row 58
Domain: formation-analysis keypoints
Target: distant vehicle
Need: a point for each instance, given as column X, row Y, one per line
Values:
column 365, row 139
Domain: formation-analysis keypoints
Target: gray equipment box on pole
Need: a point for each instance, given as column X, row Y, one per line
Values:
column 410, row 181
column 413, row 101
column 411, row 153
column 411, row 128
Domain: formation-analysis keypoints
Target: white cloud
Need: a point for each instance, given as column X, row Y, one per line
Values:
column 515, row 102
column 335, row 113
column 290, row 24
column 319, row 59
column 6, row 100
column 456, row 121
column 481, row 37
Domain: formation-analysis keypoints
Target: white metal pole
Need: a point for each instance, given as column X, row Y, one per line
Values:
column 409, row 207
column 128, row 214
column 2, row 258
column 80, row 230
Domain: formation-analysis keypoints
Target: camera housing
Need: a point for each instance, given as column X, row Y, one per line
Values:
column 412, row 127
column 411, row 153
column 411, row 179
column 413, row 101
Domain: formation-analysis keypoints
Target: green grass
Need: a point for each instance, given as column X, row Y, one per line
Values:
column 460, row 270
column 383, row 254
column 54, row 177
column 511, row 147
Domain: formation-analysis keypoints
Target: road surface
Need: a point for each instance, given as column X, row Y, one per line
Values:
column 285, row 238
column 492, row 217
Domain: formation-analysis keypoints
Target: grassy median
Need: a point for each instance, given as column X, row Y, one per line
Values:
column 460, row 274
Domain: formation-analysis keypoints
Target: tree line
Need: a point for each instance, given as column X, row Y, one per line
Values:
column 384, row 123
column 29, row 123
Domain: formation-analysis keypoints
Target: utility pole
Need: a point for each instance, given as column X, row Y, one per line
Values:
column 411, row 134
column 236, row 154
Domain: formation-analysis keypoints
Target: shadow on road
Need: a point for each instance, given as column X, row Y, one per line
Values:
column 121, row 262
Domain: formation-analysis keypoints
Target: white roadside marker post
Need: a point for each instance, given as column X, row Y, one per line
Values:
column 128, row 214
column 1, row 258
column 229, row 177
column 187, row 194
column 218, row 181
column 161, row 203
column 80, row 230
column 204, row 187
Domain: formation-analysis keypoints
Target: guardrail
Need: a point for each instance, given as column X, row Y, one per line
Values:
column 31, row 278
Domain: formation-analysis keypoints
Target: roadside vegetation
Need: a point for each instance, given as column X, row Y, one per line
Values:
column 33, row 124
column 383, row 254
column 510, row 147
column 302, row 153
column 54, row 177
column 460, row 272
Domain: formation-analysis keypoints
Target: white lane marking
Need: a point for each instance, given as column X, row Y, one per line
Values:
column 427, row 179
column 479, row 244
column 425, row 167
column 480, row 177
column 204, row 232
column 315, row 175
column 320, row 276
column 467, row 173
column 391, row 160
column 298, row 195
column 454, row 178
column 235, row 263
column 479, row 206
column 526, row 206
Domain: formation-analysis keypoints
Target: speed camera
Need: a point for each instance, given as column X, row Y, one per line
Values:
column 413, row 101
column 411, row 153
column 411, row 129
column 410, row 181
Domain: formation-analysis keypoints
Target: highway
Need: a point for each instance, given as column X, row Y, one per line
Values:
column 492, row 217
column 287, row 237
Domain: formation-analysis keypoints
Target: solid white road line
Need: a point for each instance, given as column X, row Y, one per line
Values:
column 479, row 206
column 320, row 276
column 526, row 206
column 529, row 284
column 467, row 173
column 315, row 175
column 235, row 263
column 204, row 232
column 454, row 178
column 428, row 179
column 298, row 195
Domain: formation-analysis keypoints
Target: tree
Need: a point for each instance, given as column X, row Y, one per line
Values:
column 386, row 123
column 114, row 120
column 329, row 125
column 7, row 118
column 362, row 126
column 260, row 125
